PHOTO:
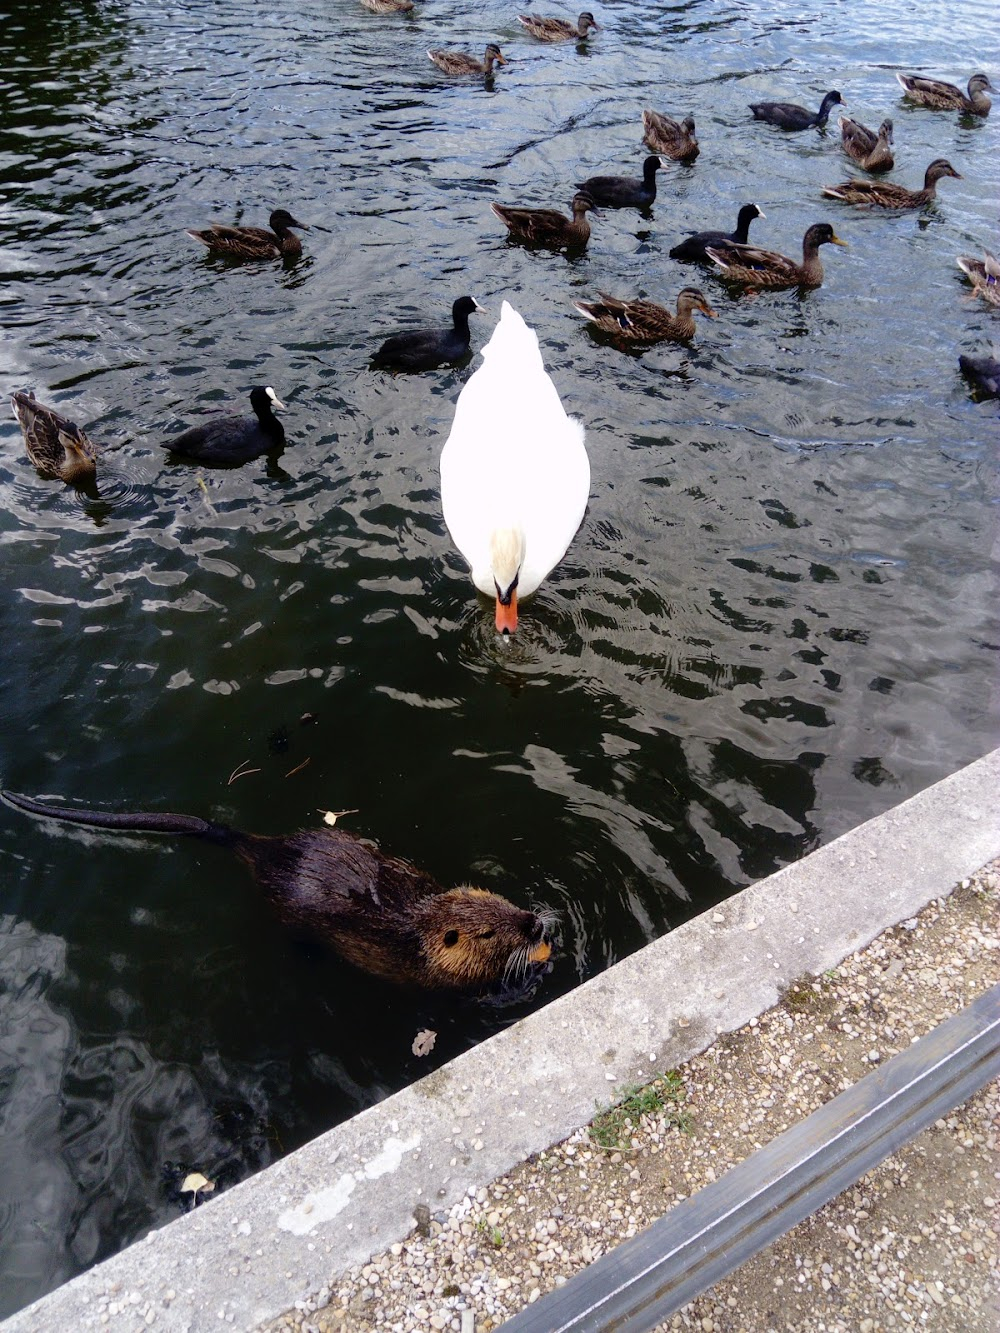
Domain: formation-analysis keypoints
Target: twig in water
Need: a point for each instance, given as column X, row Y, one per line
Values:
column 237, row 774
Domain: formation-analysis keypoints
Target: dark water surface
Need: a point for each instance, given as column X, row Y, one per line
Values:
column 777, row 619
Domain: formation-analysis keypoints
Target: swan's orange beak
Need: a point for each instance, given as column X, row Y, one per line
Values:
column 507, row 615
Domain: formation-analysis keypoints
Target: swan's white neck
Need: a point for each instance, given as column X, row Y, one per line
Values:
column 507, row 548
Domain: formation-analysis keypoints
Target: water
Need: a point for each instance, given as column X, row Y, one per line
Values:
column 777, row 620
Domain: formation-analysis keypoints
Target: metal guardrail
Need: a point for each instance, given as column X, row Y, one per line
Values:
column 648, row 1278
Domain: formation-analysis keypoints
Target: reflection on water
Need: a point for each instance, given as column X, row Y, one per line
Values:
column 775, row 621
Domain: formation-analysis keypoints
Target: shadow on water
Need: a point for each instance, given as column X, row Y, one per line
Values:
column 773, row 623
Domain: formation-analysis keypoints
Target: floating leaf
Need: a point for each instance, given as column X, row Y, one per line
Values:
column 331, row 816
column 196, row 1183
column 423, row 1042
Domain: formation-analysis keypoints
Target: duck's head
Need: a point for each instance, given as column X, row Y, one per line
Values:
column 494, row 51
column 938, row 168
column 885, row 131
column 693, row 298
column 506, row 558
column 280, row 220
column 78, row 460
column 820, row 233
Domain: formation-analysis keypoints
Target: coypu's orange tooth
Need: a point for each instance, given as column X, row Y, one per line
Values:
column 541, row 953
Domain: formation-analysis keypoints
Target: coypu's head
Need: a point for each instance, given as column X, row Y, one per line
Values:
column 472, row 939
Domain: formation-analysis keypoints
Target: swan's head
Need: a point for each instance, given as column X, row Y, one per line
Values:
column 506, row 558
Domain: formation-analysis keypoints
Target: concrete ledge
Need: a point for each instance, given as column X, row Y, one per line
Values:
column 247, row 1256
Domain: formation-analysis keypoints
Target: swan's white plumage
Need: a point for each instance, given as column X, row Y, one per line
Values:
column 513, row 460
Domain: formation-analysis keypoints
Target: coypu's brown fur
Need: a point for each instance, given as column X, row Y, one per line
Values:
column 379, row 913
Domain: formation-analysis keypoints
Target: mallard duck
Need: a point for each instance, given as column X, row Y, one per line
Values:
column 254, row 242
column 388, row 6
column 984, row 372
column 234, row 439
column 765, row 268
column 945, row 96
column 981, row 271
column 669, row 137
column 56, row 446
column 789, row 116
column 546, row 226
column 693, row 249
column 425, row 349
column 559, row 30
column 457, row 62
column 624, row 191
column 988, row 291
column 515, row 477
column 644, row 321
column 887, row 194
column 868, row 149
column 984, row 275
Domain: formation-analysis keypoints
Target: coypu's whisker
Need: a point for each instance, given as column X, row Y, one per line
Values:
column 548, row 917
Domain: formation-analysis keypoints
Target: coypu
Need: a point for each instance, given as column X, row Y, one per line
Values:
column 379, row 913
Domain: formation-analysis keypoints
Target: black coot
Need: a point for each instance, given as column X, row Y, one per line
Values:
column 424, row 349
column 789, row 116
column 692, row 248
column 234, row 439
column 624, row 191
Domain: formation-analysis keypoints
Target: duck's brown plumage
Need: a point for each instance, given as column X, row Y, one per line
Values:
column 753, row 267
column 941, row 96
column 888, row 194
column 870, row 149
column 984, row 274
column 458, row 62
column 547, row 226
column 670, row 137
column 559, row 30
column 56, row 445
column 254, row 242
column 645, row 321
column 388, row 6
column 985, row 270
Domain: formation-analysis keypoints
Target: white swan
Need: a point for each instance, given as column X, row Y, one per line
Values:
column 515, row 476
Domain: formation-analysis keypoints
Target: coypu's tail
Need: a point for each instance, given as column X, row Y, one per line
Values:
column 146, row 823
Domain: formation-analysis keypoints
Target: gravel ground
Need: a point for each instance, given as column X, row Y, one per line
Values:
column 915, row 1244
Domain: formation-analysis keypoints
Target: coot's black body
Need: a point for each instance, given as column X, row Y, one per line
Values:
column 789, row 116
column 983, row 372
column 425, row 349
column 233, row 439
column 624, row 191
column 692, row 250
